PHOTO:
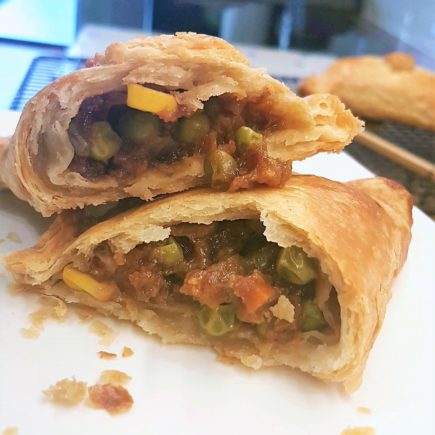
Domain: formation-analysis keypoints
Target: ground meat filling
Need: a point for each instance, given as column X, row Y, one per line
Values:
column 229, row 275
column 111, row 138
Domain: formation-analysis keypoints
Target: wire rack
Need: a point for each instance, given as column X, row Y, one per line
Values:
column 45, row 70
column 42, row 71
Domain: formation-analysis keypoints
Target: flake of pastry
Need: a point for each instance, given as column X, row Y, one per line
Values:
column 106, row 333
column 67, row 392
column 52, row 308
column 114, row 399
column 107, row 355
column 359, row 431
column 85, row 314
column 364, row 410
column 30, row 333
column 127, row 352
column 114, row 377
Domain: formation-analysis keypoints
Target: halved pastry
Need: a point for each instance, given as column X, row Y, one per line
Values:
column 4, row 142
column 391, row 88
column 163, row 114
column 298, row 276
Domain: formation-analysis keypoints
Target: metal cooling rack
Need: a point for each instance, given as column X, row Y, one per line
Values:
column 42, row 71
column 416, row 140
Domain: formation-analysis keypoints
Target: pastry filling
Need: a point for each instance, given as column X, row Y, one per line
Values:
column 123, row 133
column 222, row 280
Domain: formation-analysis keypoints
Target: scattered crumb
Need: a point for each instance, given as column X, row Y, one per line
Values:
column 85, row 314
column 114, row 377
column 13, row 237
column 106, row 355
column 115, row 399
column 10, row 431
column 66, row 392
column 31, row 333
column 102, row 330
column 127, row 351
column 2, row 275
column 224, row 359
column 107, row 394
column 364, row 410
column 53, row 308
column 359, row 431
column 284, row 309
column 2, row 241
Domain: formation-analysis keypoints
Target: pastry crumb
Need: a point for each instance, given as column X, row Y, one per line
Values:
column 85, row 314
column 13, row 237
column 224, row 359
column 127, row 351
column 106, row 333
column 284, row 310
column 107, row 394
column 359, row 431
column 114, row 399
column 114, row 377
column 52, row 308
column 2, row 241
column 106, row 355
column 364, row 410
column 10, row 431
column 67, row 392
column 30, row 333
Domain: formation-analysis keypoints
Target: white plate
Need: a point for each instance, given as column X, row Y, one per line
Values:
column 185, row 390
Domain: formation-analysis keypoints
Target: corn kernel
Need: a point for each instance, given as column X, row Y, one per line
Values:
column 149, row 100
column 102, row 291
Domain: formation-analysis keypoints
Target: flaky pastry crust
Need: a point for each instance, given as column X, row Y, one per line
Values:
column 359, row 232
column 35, row 165
column 385, row 88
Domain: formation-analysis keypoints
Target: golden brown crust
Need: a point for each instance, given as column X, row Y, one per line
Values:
column 4, row 142
column 386, row 88
column 35, row 164
column 351, row 228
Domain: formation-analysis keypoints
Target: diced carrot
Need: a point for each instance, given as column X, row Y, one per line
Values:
column 254, row 291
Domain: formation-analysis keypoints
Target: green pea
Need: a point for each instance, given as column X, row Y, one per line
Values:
column 217, row 321
column 170, row 253
column 312, row 317
column 137, row 127
column 262, row 259
column 294, row 265
column 193, row 130
column 247, row 139
column 219, row 168
column 104, row 142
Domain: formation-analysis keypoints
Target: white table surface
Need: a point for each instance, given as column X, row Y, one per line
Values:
column 185, row 390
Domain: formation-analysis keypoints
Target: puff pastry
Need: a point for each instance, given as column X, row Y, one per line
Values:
column 354, row 236
column 56, row 160
column 386, row 88
column 4, row 142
